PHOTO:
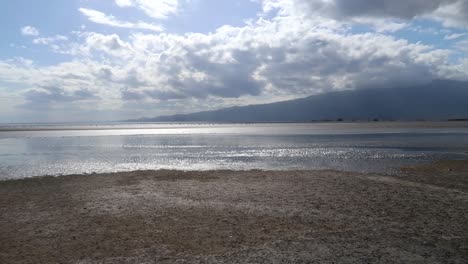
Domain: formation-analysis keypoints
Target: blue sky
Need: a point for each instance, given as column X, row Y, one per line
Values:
column 92, row 60
column 62, row 17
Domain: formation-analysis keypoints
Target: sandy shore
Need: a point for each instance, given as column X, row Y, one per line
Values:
column 420, row 216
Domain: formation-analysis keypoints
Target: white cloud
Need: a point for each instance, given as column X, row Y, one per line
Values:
column 50, row 40
column 160, row 9
column 56, row 43
column 29, row 31
column 452, row 15
column 123, row 3
column 455, row 36
column 101, row 18
column 109, row 44
column 383, row 25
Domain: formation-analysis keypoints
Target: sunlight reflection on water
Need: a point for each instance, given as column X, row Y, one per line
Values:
column 367, row 148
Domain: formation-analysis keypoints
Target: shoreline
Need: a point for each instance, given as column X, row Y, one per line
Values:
column 457, row 166
column 159, row 171
column 238, row 217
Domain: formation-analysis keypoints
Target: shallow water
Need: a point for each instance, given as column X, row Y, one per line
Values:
column 35, row 150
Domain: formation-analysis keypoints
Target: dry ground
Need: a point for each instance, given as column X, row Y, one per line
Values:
column 420, row 216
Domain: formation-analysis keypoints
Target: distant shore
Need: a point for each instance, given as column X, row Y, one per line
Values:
column 419, row 216
column 126, row 125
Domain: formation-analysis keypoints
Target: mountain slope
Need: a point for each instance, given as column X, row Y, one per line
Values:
column 438, row 100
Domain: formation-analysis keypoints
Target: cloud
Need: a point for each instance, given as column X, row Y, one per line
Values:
column 452, row 13
column 56, row 43
column 109, row 44
column 29, row 31
column 55, row 94
column 270, row 60
column 160, row 9
column 403, row 9
column 101, row 18
column 455, row 36
column 123, row 3
column 50, row 97
column 50, row 40
column 462, row 45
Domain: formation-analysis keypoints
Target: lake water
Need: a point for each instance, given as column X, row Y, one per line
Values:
column 59, row 149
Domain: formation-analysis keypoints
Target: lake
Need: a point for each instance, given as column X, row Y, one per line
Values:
column 28, row 150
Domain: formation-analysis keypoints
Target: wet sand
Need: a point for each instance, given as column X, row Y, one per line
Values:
column 420, row 216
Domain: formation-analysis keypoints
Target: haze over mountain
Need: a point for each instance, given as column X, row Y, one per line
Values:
column 438, row 100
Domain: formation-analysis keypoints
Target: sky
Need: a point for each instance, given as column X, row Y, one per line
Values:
column 103, row 60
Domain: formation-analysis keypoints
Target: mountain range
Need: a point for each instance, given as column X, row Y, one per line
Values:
column 437, row 100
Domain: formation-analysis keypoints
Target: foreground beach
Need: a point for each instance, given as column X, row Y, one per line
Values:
column 419, row 216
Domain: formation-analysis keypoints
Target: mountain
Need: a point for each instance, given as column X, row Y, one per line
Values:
column 438, row 100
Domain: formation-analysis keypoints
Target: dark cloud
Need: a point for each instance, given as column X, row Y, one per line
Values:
column 47, row 95
column 104, row 74
column 321, row 69
column 74, row 76
column 133, row 79
column 405, row 9
column 449, row 12
column 127, row 95
column 164, row 95
column 229, row 80
column 226, row 80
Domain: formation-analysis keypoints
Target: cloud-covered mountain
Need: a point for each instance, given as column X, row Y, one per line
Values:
column 439, row 100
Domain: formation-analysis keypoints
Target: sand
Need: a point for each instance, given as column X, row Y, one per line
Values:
column 419, row 216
